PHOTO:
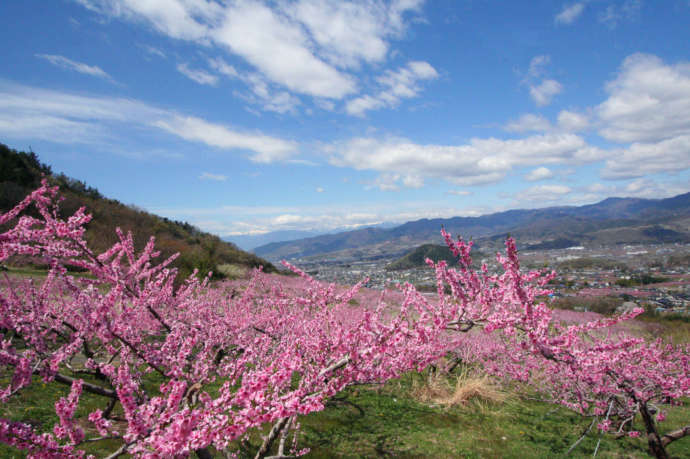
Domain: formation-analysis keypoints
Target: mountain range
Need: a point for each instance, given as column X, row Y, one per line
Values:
column 609, row 222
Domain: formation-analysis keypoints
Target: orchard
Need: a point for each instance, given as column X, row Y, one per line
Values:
column 191, row 368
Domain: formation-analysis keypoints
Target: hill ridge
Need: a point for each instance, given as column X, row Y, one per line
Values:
column 21, row 173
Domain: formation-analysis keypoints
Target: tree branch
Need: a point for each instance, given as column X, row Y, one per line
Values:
column 675, row 435
column 271, row 437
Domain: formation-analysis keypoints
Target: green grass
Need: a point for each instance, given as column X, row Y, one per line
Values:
column 393, row 423
column 35, row 405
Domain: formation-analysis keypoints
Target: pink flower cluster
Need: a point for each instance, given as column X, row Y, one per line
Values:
column 234, row 357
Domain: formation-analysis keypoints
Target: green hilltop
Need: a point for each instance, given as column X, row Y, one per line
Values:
column 21, row 173
column 417, row 257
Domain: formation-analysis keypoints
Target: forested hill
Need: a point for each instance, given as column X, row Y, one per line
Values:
column 21, row 173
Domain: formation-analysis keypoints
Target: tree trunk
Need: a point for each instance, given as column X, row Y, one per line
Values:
column 656, row 447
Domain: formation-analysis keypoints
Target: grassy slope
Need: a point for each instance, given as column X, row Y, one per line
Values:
column 21, row 173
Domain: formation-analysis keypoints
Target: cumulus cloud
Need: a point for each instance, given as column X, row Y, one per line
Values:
column 306, row 47
column 572, row 121
column 569, row 13
column 540, row 173
column 648, row 101
column 567, row 121
column 528, row 122
column 399, row 84
column 477, row 162
column 637, row 188
column 197, row 75
column 648, row 107
column 543, row 193
column 349, row 32
column 280, row 50
column 640, row 159
column 543, row 93
column 30, row 113
column 69, row 64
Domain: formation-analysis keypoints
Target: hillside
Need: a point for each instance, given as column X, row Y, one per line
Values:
column 21, row 172
column 417, row 257
column 609, row 222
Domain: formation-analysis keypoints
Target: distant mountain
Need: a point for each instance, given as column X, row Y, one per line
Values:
column 611, row 221
column 250, row 241
column 21, row 173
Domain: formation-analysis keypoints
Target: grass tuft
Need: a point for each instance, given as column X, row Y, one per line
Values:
column 441, row 390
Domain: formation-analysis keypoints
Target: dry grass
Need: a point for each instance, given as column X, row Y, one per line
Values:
column 438, row 389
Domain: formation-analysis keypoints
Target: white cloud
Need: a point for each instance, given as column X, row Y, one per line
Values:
column 541, row 92
column 222, row 67
column 638, row 188
column 226, row 220
column 528, row 122
column 197, row 75
column 545, row 91
column 363, row 104
column 385, row 182
column 614, row 14
column 459, row 192
column 29, row 113
column 648, row 101
column 572, row 121
column 537, row 65
column 540, row 173
column 479, row 161
column 569, row 13
column 348, row 32
column 280, row 50
column 214, row 177
column 152, row 50
column 69, row 64
column 304, row 46
column 399, row 84
column 543, row 193
column 266, row 149
column 319, row 189
column 182, row 19
column 269, row 99
column 567, row 121
column 640, row 159
column 413, row 181
column 652, row 189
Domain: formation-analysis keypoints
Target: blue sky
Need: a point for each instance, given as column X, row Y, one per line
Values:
column 243, row 117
